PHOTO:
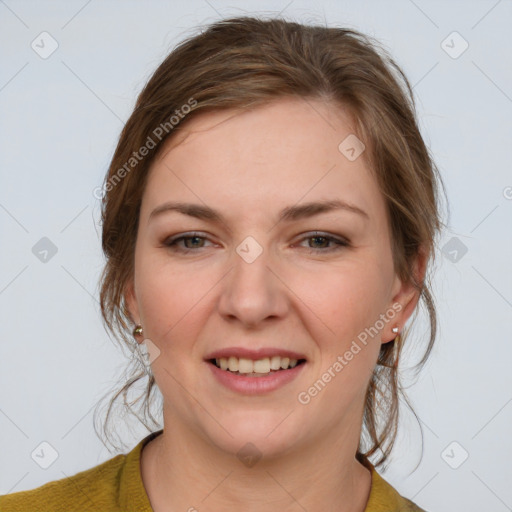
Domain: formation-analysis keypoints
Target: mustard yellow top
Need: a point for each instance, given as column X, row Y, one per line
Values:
column 116, row 486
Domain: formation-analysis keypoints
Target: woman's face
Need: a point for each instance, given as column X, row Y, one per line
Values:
column 263, row 272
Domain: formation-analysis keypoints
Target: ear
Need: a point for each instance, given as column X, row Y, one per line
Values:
column 131, row 301
column 405, row 294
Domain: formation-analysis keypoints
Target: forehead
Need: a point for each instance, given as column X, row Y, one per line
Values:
column 271, row 156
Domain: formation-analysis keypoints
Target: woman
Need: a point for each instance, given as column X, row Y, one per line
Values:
column 269, row 217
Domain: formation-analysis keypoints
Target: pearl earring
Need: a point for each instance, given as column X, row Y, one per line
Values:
column 395, row 330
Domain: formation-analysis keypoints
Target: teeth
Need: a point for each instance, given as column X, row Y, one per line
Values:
column 261, row 366
column 275, row 363
column 232, row 364
column 244, row 365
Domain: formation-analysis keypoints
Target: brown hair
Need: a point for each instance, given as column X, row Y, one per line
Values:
column 246, row 62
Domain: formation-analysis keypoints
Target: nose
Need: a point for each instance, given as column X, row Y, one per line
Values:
column 253, row 293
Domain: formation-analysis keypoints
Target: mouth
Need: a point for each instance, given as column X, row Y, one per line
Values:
column 263, row 367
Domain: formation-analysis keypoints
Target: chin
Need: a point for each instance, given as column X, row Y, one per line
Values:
column 256, row 434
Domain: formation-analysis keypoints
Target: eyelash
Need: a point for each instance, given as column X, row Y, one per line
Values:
column 172, row 242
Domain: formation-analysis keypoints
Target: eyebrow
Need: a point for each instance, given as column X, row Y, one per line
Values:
column 288, row 214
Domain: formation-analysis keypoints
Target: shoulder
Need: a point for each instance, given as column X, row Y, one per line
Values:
column 409, row 506
column 93, row 489
column 113, row 486
column 385, row 498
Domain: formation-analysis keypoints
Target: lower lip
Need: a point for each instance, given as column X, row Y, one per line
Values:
column 255, row 385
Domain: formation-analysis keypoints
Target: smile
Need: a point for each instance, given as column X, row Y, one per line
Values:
column 258, row 368
column 255, row 377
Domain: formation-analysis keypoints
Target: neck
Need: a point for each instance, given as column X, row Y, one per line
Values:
column 191, row 474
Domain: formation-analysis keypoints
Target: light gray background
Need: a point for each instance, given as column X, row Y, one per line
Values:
column 60, row 120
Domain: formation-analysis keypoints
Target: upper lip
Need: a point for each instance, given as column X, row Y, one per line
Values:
column 254, row 354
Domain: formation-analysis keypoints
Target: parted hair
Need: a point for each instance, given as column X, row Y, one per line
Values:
column 243, row 63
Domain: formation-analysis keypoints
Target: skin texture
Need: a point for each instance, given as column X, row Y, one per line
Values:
column 248, row 166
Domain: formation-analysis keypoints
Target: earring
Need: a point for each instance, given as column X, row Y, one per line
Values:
column 395, row 330
column 138, row 330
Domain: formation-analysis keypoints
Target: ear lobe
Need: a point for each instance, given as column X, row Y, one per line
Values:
column 131, row 301
column 407, row 295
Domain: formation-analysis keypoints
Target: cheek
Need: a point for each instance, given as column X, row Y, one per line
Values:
column 171, row 300
column 342, row 307
column 344, row 300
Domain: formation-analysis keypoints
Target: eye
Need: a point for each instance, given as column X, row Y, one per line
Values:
column 322, row 240
column 191, row 240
